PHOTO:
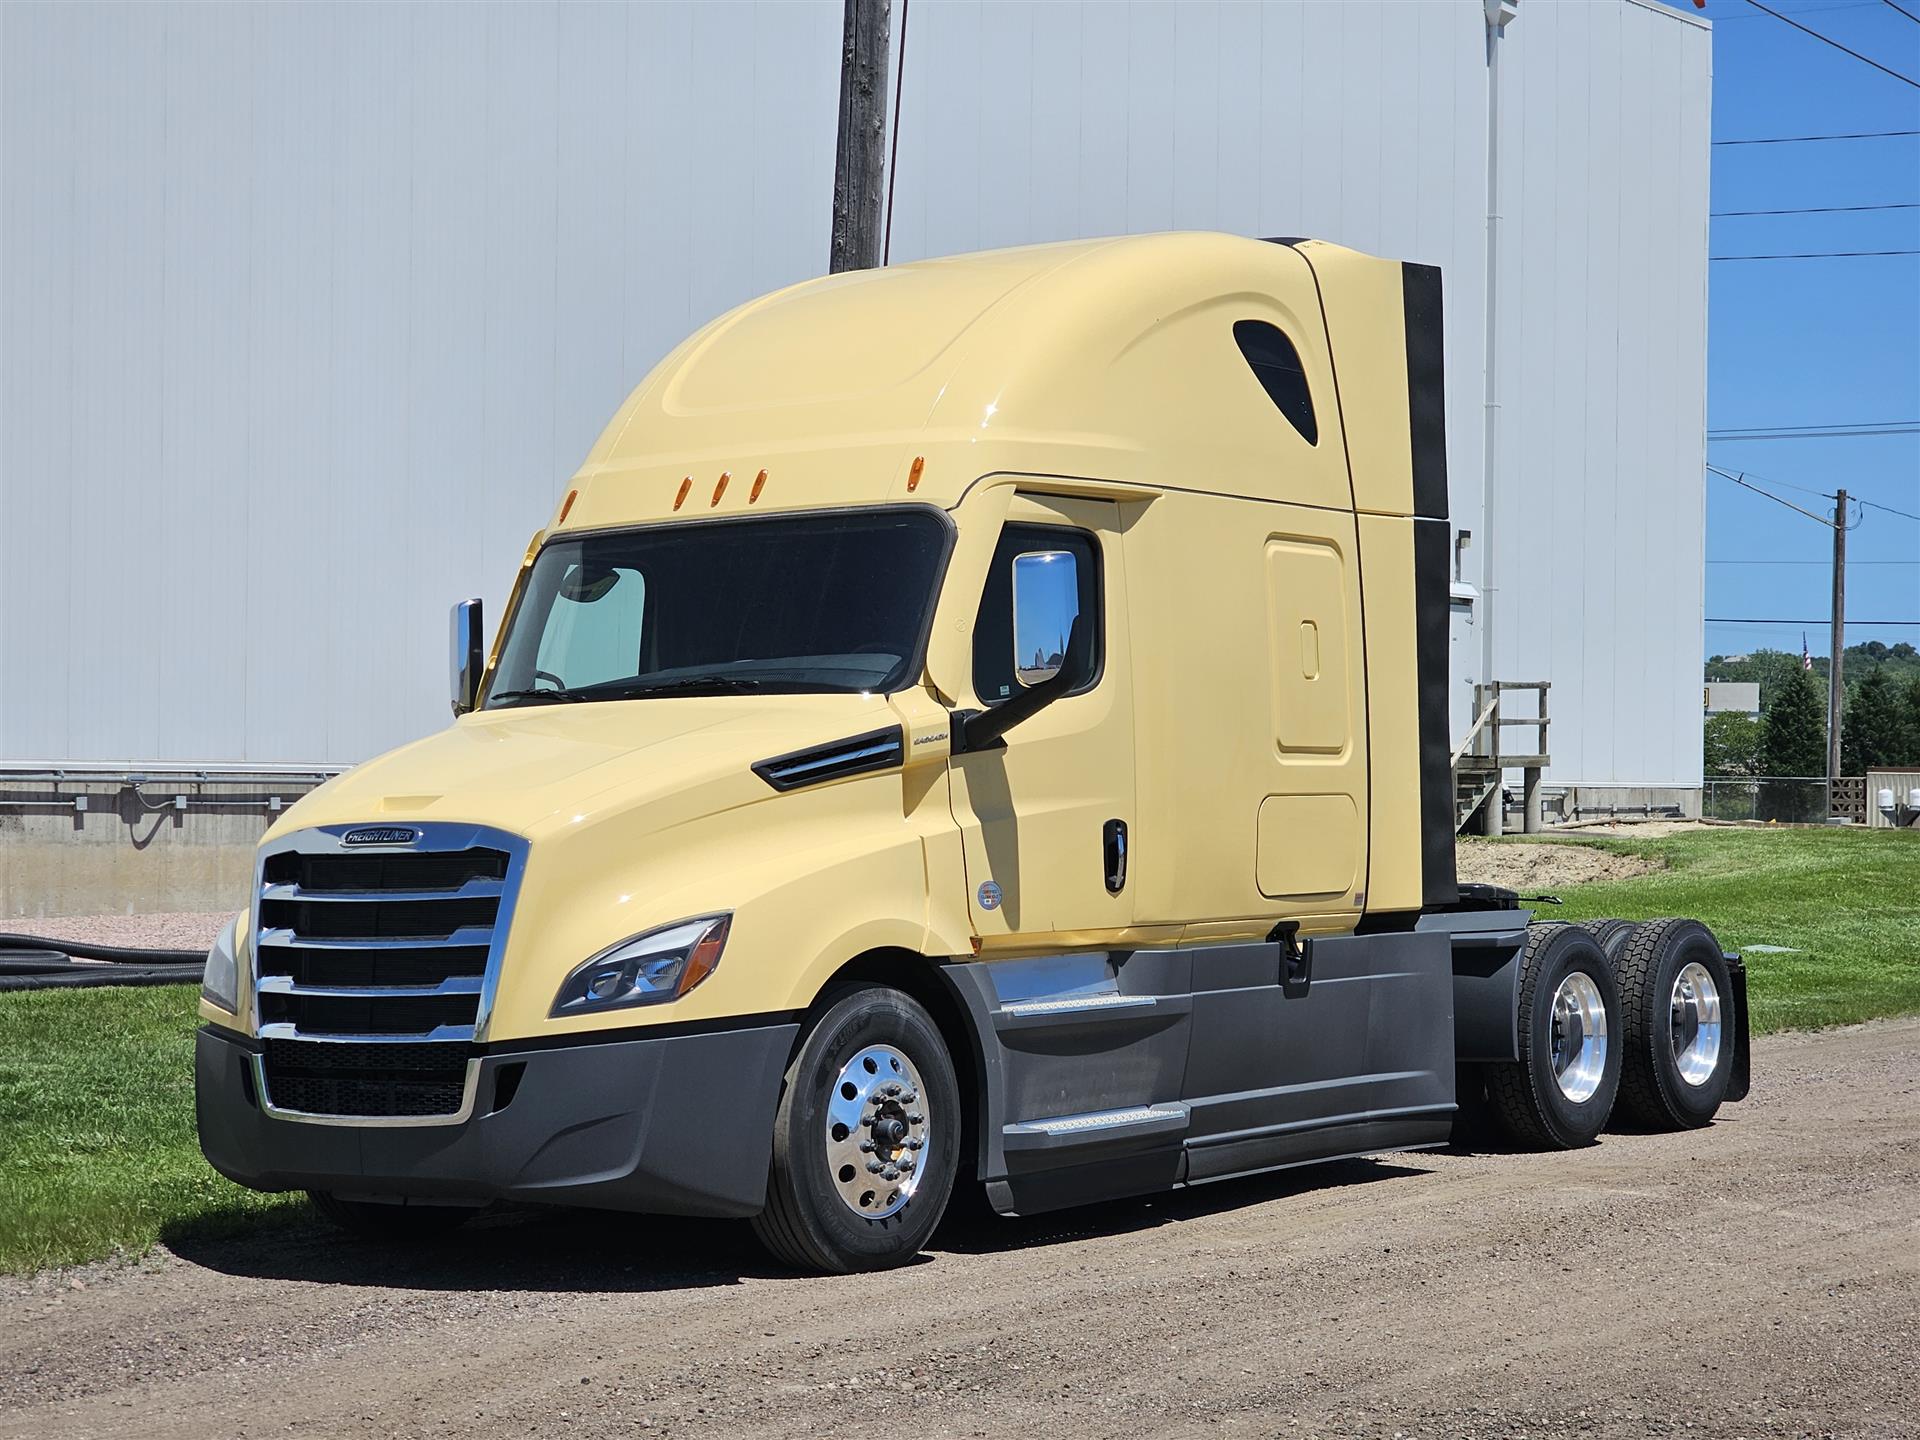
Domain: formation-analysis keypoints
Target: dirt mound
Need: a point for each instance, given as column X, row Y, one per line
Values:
column 1542, row 865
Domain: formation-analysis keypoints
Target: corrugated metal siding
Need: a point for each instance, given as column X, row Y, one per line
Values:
column 309, row 310
column 1599, row 497
column 1363, row 123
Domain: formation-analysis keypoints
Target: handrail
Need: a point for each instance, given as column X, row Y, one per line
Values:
column 1478, row 725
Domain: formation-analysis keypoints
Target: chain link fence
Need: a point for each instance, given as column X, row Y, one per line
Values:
column 1790, row 799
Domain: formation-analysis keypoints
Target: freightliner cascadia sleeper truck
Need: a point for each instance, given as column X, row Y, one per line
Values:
column 980, row 722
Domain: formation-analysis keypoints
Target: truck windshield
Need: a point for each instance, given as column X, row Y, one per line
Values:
column 795, row 604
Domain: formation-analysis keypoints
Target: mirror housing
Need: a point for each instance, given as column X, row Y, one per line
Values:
column 982, row 729
column 469, row 655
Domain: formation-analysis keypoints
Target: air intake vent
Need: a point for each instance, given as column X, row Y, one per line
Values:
column 876, row 750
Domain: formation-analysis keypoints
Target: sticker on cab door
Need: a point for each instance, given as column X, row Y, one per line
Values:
column 989, row 895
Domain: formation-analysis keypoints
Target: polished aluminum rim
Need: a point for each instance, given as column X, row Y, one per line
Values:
column 1696, row 1023
column 1579, row 1037
column 877, row 1131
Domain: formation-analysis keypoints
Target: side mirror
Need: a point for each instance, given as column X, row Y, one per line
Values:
column 469, row 656
column 1046, row 602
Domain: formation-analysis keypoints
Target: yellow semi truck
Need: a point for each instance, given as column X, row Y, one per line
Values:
column 982, row 722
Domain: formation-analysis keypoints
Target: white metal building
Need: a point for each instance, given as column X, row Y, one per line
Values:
column 307, row 313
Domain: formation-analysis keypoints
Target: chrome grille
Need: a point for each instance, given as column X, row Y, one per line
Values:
column 373, row 970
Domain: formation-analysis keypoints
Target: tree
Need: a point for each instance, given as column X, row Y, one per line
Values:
column 1732, row 744
column 1793, row 737
column 1874, row 734
column 1910, row 724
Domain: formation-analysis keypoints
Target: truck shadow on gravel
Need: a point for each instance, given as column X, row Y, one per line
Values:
column 588, row 1251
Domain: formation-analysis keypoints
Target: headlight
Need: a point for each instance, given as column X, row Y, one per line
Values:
column 649, row 969
column 221, row 982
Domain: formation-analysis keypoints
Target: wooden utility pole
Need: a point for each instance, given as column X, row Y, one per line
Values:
column 1836, row 677
column 859, row 162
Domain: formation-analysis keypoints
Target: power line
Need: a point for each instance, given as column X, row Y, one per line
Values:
column 1816, row 210
column 1823, row 564
column 1828, row 40
column 1839, row 432
column 1823, row 620
column 1903, row 10
column 1819, row 255
column 1903, row 514
column 1742, row 481
column 1809, row 139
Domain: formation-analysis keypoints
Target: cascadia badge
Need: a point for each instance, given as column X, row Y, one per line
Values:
column 381, row 835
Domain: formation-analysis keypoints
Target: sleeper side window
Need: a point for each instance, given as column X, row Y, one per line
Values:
column 1276, row 365
column 1043, row 577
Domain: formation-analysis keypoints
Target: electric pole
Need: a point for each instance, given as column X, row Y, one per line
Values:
column 1838, row 644
column 859, row 162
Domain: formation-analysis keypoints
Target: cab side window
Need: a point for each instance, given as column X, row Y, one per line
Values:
column 1042, row 578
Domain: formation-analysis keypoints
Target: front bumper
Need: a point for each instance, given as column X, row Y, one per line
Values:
column 675, row 1125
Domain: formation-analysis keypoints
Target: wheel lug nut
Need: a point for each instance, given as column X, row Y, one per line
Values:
column 914, row 1143
column 890, row 1174
column 874, row 1167
column 916, row 1119
column 893, row 1089
column 866, row 1145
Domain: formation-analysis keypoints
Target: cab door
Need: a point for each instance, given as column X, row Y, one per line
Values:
column 1046, row 819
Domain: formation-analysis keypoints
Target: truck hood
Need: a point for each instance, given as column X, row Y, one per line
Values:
column 520, row 768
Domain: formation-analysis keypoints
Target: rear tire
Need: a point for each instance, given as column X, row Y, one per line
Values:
column 1677, row 1027
column 866, row 1139
column 1612, row 934
column 1560, row 1092
column 374, row 1220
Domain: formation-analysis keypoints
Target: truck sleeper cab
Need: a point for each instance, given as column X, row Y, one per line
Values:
column 981, row 718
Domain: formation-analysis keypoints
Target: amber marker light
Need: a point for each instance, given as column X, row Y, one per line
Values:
column 913, row 475
column 681, row 498
column 721, row 488
column 566, row 505
column 759, row 484
column 706, row 955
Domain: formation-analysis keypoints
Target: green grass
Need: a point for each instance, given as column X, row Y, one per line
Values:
column 1848, row 901
column 97, row 1147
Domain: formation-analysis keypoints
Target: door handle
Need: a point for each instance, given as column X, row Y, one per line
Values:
column 1113, row 846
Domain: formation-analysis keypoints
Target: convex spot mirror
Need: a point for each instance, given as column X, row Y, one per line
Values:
column 1046, row 602
column 469, row 656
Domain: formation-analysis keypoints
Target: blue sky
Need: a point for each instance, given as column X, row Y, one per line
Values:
column 1813, row 342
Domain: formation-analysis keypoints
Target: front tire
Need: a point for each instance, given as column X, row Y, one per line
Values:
column 866, row 1139
column 1560, row 1092
column 1678, row 1025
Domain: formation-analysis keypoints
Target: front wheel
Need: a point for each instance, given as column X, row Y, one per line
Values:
column 866, row 1139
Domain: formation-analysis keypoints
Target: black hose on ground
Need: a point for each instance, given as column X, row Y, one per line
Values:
column 123, row 954
column 39, row 962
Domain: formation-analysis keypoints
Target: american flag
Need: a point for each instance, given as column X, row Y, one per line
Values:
column 1806, row 660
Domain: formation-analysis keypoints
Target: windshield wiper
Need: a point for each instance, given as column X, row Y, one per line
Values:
column 556, row 696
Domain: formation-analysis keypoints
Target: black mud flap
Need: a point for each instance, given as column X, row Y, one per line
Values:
column 1742, row 1079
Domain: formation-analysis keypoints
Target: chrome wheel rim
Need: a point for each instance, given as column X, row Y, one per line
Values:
column 877, row 1132
column 1695, row 1017
column 1579, row 1037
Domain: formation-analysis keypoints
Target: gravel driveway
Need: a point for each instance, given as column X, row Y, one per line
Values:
column 1760, row 1278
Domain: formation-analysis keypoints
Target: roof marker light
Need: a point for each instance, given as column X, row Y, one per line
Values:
column 913, row 475
column 759, row 484
column 681, row 498
column 566, row 505
column 721, row 488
